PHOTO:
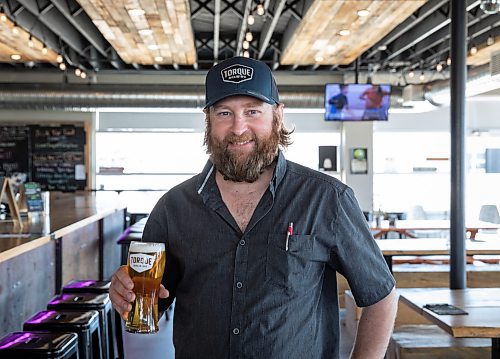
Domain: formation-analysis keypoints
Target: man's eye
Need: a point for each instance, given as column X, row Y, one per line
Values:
column 223, row 113
column 253, row 112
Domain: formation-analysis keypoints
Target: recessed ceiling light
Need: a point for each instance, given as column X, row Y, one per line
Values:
column 158, row 58
column 145, row 32
column 318, row 58
column 136, row 12
column 153, row 47
column 363, row 13
column 15, row 57
column 3, row 17
column 344, row 32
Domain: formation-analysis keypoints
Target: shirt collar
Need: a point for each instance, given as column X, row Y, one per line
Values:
column 207, row 176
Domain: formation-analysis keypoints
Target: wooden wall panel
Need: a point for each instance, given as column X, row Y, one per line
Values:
column 112, row 228
column 80, row 253
column 27, row 284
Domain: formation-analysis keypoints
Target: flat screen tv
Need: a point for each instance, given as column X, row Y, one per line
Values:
column 357, row 102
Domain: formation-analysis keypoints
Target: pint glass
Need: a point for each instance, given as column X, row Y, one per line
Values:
column 146, row 263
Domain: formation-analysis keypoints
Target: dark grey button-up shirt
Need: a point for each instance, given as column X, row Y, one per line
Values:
column 242, row 295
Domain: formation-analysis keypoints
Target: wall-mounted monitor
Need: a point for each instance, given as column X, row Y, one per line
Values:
column 357, row 102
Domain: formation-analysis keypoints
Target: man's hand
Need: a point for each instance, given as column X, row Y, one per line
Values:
column 121, row 294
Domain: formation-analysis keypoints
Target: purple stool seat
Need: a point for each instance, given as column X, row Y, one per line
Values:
column 30, row 345
column 85, row 324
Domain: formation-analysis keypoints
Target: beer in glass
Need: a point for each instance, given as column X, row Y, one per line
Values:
column 146, row 263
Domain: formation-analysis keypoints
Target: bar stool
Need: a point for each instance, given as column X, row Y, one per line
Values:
column 85, row 324
column 31, row 345
column 95, row 286
column 87, row 286
column 90, row 301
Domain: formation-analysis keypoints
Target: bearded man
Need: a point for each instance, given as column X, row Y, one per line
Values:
column 254, row 242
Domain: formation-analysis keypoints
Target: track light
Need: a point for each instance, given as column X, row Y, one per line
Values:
column 490, row 6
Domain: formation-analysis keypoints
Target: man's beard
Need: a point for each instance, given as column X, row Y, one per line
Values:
column 244, row 167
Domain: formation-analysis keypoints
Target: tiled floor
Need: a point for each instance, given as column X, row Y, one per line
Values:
column 158, row 346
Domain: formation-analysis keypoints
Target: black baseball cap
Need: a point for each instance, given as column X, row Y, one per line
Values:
column 240, row 76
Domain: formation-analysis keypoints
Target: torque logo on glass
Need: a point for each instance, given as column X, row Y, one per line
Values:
column 141, row 262
column 237, row 73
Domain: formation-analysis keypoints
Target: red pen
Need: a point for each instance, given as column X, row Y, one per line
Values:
column 289, row 232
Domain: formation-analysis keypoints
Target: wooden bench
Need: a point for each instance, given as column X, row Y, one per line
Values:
column 423, row 341
column 352, row 314
column 433, row 276
column 437, row 275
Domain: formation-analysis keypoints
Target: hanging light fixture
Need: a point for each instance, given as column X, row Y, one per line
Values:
column 250, row 19
column 411, row 74
column 473, row 50
column 260, row 9
column 44, row 50
column 30, row 42
column 439, row 67
column 249, row 36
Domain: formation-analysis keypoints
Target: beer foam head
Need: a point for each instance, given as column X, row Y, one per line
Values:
column 146, row 247
column 240, row 76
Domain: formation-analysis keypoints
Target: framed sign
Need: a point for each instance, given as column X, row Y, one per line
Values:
column 359, row 160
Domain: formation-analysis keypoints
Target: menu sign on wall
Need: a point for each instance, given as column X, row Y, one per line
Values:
column 14, row 150
column 51, row 155
column 58, row 157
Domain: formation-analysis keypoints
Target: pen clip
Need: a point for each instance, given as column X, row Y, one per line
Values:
column 289, row 232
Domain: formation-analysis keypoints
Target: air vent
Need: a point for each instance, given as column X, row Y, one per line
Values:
column 495, row 64
column 412, row 93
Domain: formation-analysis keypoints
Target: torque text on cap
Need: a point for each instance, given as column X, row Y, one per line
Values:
column 237, row 73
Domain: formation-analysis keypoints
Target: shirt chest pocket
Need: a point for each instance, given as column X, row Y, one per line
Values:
column 295, row 269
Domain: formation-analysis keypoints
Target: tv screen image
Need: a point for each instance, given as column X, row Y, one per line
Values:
column 357, row 102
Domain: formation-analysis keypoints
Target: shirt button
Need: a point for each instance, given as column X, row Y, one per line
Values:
column 239, row 285
column 242, row 242
column 236, row 331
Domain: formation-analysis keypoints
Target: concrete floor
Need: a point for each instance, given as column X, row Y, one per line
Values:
column 159, row 345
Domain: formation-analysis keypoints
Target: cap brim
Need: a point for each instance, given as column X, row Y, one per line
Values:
column 241, row 92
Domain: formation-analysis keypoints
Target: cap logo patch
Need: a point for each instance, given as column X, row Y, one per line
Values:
column 237, row 73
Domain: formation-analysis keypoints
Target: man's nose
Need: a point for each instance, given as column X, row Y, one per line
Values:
column 239, row 124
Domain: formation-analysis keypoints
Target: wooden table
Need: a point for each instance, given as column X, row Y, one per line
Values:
column 405, row 227
column 432, row 246
column 481, row 304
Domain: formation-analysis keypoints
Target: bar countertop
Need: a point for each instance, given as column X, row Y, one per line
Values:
column 68, row 211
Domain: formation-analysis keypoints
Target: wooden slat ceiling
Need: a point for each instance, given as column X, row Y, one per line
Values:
column 317, row 39
column 145, row 32
column 17, row 44
column 483, row 55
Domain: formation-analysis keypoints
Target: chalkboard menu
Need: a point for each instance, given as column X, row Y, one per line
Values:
column 14, row 149
column 51, row 155
column 57, row 157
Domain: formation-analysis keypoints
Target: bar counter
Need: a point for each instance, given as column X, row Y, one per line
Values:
column 77, row 239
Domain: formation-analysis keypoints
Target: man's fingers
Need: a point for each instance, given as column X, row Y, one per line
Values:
column 163, row 293
column 120, row 291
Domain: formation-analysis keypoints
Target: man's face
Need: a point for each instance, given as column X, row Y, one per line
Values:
column 243, row 136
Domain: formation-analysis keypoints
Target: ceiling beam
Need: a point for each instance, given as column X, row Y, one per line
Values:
column 429, row 26
column 53, row 19
column 216, row 29
column 243, row 26
column 268, row 29
column 84, row 25
column 426, row 10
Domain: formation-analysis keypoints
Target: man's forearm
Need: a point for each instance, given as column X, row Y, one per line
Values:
column 375, row 328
